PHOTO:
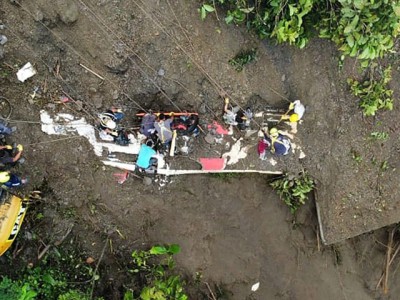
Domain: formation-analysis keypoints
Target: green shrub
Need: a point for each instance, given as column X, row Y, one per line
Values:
column 293, row 190
column 243, row 58
column 374, row 93
column 160, row 282
column 360, row 28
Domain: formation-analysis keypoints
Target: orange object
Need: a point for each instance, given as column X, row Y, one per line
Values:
column 169, row 114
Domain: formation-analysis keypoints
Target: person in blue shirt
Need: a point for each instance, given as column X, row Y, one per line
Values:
column 145, row 157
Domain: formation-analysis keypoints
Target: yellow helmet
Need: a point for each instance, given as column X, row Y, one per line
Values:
column 273, row 132
column 4, row 176
column 294, row 118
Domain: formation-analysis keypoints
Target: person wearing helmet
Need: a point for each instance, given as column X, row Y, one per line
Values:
column 278, row 143
column 298, row 112
column 11, row 155
column 236, row 116
column 10, row 180
column 108, row 123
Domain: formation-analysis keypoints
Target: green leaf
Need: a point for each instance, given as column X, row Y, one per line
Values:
column 247, row 10
column 350, row 40
column 292, row 9
column 208, row 7
column 157, row 250
column 203, row 13
column 174, row 249
column 228, row 19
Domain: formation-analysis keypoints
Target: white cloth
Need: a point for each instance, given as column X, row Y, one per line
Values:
column 299, row 108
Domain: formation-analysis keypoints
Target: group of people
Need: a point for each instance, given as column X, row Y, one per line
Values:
column 10, row 156
column 159, row 129
column 276, row 141
column 272, row 139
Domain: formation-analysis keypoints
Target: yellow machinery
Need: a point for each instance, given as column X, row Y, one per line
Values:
column 12, row 213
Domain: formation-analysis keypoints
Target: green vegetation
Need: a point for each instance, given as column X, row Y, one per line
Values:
column 66, row 276
column 160, row 283
column 379, row 136
column 360, row 28
column 294, row 190
column 50, row 282
column 356, row 156
column 204, row 9
column 374, row 93
column 242, row 59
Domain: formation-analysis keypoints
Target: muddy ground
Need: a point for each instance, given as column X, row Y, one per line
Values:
column 235, row 231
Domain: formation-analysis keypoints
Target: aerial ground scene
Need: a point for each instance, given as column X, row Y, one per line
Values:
column 318, row 223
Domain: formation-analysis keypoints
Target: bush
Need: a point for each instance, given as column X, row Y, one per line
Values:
column 360, row 28
column 293, row 190
column 374, row 93
column 160, row 283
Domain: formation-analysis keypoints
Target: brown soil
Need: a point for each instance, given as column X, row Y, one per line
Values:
column 234, row 231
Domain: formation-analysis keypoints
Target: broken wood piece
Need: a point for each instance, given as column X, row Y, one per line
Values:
column 210, row 290
column 173, row 144
column 93, row 72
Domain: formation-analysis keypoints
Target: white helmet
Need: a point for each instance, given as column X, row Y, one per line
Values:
column 107, row 121
column 111, row 124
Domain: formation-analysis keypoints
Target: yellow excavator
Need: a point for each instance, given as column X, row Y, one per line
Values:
column 12, row 213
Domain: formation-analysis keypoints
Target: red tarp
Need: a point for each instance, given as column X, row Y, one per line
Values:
column 209, row 164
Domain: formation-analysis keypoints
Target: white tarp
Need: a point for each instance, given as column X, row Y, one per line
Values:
column 63, row 124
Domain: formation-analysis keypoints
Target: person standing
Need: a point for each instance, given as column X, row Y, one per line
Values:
column 163, row 129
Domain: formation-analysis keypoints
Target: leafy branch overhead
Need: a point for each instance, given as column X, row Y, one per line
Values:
column 360, row 28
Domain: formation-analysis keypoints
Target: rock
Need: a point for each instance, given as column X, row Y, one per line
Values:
column 283, row 78
column 51, row 106
column 161, row 72
column 147, row 181
column 68, row 11
column 79, row 105
column 38, row 16
column 97, row 101
column 115, row 94
column 203, row 108
column 28, row 235
column 3, row 39
column 92, row 90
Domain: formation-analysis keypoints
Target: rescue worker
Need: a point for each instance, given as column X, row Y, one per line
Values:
column 236, row 116
column 147, row 125
column 110, row 119
column 109, row 127
column 145, row 157
column 163, row 129
column 298, row 112
column 10, row 180
column 277, row 142
column 10, row 155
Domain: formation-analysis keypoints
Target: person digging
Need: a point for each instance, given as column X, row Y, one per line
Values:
column 10, row 156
